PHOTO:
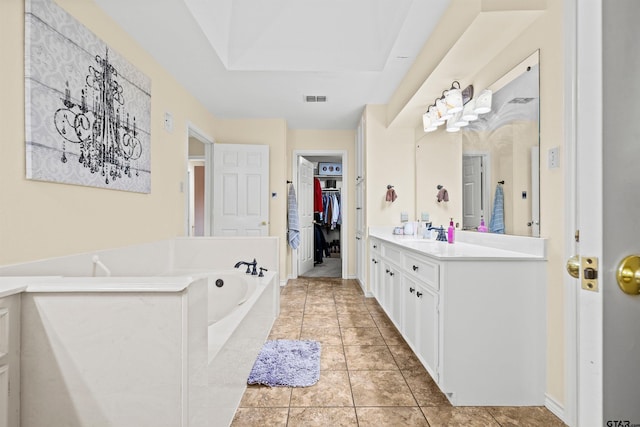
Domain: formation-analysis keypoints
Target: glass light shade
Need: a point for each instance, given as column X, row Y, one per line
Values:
column 428, row 124
column 451, row 127
column 443, row 111
column 453, row 99
column 483, row 102
column 434, row 115
column 458, row 121
column 468, row 113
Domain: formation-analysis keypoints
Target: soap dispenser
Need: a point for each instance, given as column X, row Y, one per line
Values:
column 451, row 232
column 482, row 228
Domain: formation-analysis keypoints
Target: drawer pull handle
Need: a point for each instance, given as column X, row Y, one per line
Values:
column 387, row 270
column 391, row 273
column 415, row 268
column 419, row 294
column 412, row 290
column 375, row 246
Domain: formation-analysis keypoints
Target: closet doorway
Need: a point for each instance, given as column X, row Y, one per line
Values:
column 322, row 205
column 196, row 188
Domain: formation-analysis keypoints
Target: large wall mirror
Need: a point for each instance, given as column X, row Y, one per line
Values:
column 501, row 154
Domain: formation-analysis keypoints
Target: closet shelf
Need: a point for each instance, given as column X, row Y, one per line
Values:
column 328, row 176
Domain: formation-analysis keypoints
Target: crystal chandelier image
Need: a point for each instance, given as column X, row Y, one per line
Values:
column 105, row 133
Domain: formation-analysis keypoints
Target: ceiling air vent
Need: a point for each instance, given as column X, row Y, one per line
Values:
column 521, row 100
column 315, row 98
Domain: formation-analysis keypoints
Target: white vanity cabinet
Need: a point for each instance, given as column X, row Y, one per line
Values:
column 474, row 316
column 10, row 361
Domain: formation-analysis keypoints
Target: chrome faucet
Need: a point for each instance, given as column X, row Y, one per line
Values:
column 253, row 264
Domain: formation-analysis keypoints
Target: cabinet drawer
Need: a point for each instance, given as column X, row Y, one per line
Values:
column 392, row 253
column 422, row 269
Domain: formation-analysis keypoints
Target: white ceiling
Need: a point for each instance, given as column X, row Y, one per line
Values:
column 260, row 58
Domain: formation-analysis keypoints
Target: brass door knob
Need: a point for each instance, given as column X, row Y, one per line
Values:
column 573, row 266
column 628, row 275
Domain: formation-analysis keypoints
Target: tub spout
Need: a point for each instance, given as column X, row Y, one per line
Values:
column 249, row 265
column 98, row 263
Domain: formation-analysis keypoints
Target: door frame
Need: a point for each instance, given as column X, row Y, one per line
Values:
column 344, row 204
column 583, row 149
column 194, row 132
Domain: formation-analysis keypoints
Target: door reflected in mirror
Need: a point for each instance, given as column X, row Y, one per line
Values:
column 501, row 157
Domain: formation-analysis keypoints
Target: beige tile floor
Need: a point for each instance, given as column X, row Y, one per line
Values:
column 368, row 376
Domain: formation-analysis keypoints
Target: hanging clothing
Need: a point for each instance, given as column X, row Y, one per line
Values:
column 317, row 196
column 496, row 225
column 319, row 243
column 335, row 210
column 293, row 221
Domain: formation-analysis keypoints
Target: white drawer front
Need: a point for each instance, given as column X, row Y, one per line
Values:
column 422, row 269
column 392, row 253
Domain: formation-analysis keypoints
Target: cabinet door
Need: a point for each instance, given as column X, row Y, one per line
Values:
column 427, row 316
column 374, row 276
column 410, row 325
column 392, row 292
column 360, row 228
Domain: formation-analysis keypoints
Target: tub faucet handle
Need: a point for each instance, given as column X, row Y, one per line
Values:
column 261, row 270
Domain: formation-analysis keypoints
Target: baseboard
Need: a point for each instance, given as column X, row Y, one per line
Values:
column 555, row 407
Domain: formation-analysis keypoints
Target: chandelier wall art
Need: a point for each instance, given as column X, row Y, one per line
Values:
column 88, row 109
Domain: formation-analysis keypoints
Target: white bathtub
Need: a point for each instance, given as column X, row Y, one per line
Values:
column 156, row 343
column 228, row 290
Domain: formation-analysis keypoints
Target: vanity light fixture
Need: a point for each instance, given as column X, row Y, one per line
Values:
column 457, row 108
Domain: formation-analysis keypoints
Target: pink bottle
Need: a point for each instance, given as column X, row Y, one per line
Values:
column 451, row 232
column 482, row 228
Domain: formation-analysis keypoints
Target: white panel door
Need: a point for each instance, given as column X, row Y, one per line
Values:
column 471, row 191
column 305, row 212
column 240, row 190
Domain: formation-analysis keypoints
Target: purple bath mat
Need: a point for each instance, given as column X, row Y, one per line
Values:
column 287, row 363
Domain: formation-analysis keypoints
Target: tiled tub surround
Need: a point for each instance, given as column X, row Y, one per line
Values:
column 474, row 312
column 133, row 351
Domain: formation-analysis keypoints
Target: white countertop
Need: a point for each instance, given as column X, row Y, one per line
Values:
column 458, row 251
column 14, row 285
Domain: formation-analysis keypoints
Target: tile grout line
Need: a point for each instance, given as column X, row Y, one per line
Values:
column 344, row 353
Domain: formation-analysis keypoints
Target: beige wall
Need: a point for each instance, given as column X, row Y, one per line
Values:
column 328, row 140
column 39, row 219
column 439, row 162
column 389, row 160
